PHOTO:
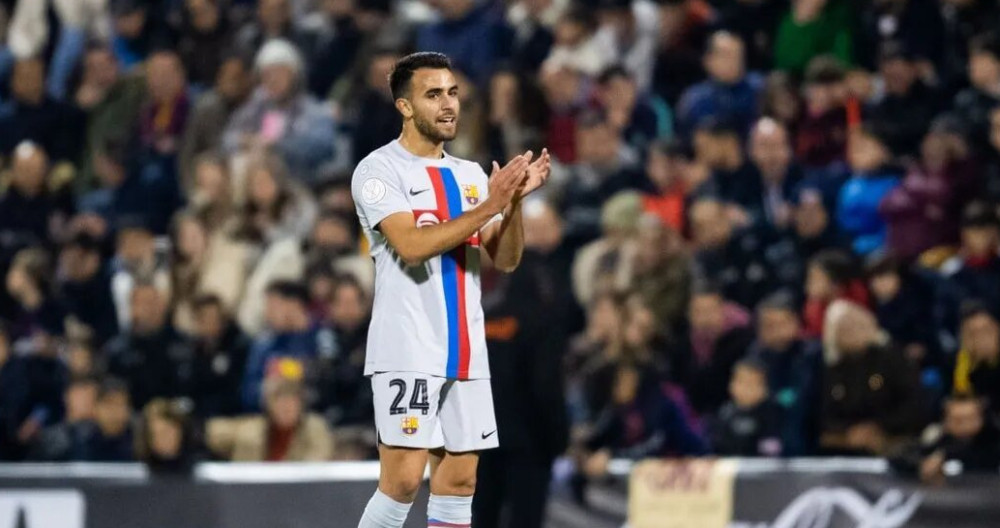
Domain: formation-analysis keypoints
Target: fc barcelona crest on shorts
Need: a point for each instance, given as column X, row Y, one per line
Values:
column 410, row 425
column 471, row 193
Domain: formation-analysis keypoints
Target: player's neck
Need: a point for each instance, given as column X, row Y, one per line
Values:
column 419, row 145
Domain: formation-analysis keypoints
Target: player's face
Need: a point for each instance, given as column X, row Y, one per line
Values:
column 434, row 103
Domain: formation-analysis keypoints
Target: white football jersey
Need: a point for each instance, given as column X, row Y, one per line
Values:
column 426, row 318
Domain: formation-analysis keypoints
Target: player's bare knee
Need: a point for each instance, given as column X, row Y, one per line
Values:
column 402, row 488
column 455, row 485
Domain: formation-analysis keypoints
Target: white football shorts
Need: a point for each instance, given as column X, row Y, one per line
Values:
column 428, row 412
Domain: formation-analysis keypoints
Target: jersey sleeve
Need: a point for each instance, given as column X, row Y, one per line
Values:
column 377, row 192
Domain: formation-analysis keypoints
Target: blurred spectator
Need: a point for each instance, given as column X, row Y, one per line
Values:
column 378, row 121
column 330, row 246
column 576, row 46
column 794, row 371
column 729, row 94
column 526, row 363
column 219, row 361
column 917, row 24
column 667, row 165
column 812, row 231
column 533, row 22
column 290, row 346
column 872, row 396
column 163, row 116
column 605, row 164
column 768, row 194
column 757, row 24
column 718, row 147
column 84, row 286
column 32, row 115
column 903, row 302
column 151, row 356
column 812, row 28
column 138, row 28
column 137, row 259
column 67, row 440
column 473, row 34
column 207, row 122
column 204, row 263
column 821, row 133
column 565, row 91
column 965, row 435
column 831, row 275
column 749, row 423
column 991, row 172
column 212, row 197
column 908, row 105
column 276, row 207
column 31, row 387
column 629, row 29
column 273, row 20
column 963, row 21
column 204, row 37
column 874, row 175
column 639, row 118
column 346, row 397
column 922, row 213
column 718, row 338
column 732, row 259
column 282, row 115
column 111, row 100
column 604, row 264
column 286, row 432
column 780, row 100
column 684, row 29
column 640, row 420
column 661, row 273
column 974, row 273
column 977, row 364
column 112, row 442
column 128, row 192
column 31, row 210
column 518, row 114
column 38, row 312
column 973, row 104
column 336, row 46
column 165, row 438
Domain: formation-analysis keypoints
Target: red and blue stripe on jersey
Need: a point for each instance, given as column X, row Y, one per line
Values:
column 453, row 267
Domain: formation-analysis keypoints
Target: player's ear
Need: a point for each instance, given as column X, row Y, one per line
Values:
column 404, row 107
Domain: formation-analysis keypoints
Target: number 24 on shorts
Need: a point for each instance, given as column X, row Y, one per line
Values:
column 418, row 399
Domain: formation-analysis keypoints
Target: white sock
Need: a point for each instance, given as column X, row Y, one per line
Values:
column 383, row 512
column 449, row 512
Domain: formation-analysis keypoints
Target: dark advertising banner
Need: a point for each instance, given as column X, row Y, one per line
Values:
column 699, row 494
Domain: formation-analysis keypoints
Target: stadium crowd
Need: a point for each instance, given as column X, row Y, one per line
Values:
column 771, row 228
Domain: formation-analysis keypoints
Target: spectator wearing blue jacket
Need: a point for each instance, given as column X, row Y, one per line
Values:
column 873, row 177
column 291, row 345
column 472, row 33
column 729, row 94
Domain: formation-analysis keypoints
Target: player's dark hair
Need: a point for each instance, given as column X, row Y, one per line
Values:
column 402, row 73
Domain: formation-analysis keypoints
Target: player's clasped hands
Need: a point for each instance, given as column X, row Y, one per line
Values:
column 518, row 178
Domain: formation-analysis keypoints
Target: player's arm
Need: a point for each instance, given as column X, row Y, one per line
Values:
column 504, row 240
column 415, row 245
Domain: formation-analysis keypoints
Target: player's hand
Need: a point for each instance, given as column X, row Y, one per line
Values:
column 505, row 181
column 538, row 173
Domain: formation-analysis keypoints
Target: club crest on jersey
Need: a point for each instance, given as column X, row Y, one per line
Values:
column 410, row 425
column 471, row 193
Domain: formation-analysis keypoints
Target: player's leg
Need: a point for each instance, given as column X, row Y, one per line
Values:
column 406, row 406
column 469, row 426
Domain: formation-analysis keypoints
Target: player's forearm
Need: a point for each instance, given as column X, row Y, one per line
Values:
column 510, row 240
column 431, row 241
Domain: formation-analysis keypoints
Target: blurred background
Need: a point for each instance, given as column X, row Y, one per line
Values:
column 771, row 230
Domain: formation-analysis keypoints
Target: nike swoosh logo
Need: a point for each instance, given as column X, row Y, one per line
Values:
column 414, row 193
column 489, row 434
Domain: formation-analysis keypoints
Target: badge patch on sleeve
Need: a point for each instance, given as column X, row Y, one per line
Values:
column 372, row 191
